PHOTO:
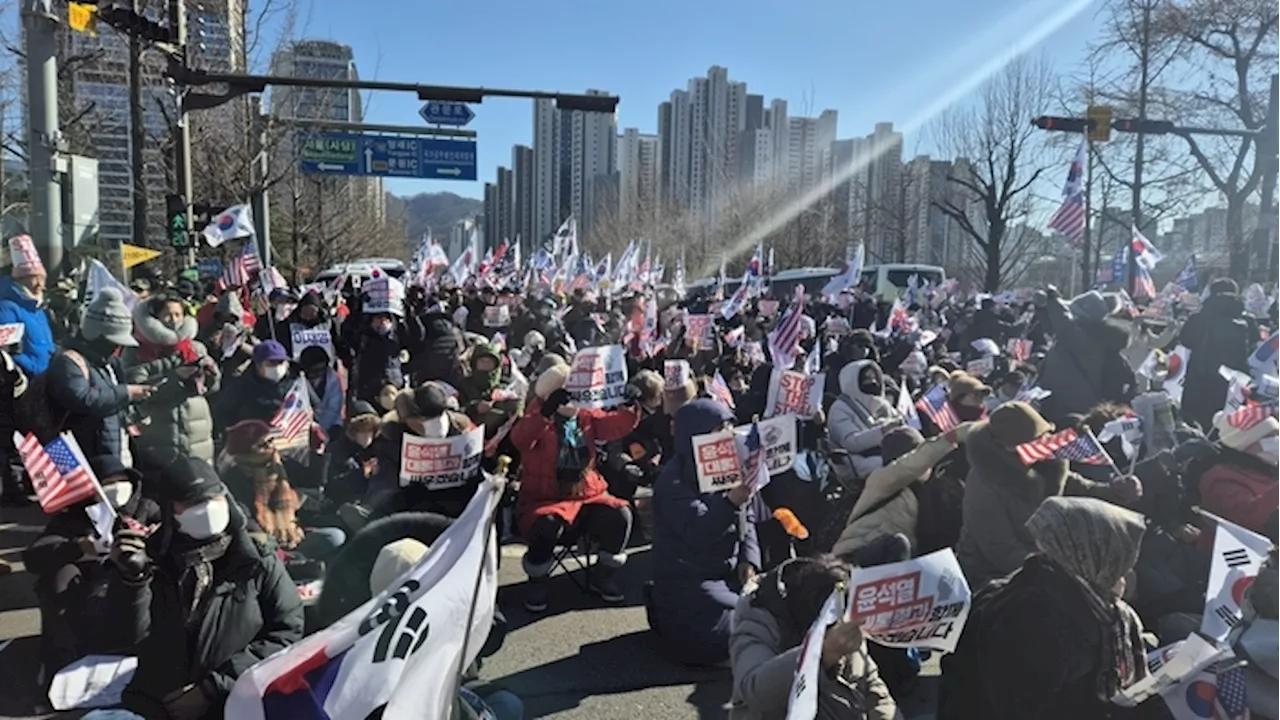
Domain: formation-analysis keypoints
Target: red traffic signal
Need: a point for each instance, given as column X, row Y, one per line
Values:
column 1063, row 124
column 1147, row 127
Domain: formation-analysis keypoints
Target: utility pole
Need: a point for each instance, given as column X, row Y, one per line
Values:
column 258, row 124
column 1267, row 150
column 43, row 135
column 1144, row 59
column 182, row 131
column 137, row 145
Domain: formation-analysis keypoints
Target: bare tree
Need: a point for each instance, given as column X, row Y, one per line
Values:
column 1229, row 58
column 1004, row 161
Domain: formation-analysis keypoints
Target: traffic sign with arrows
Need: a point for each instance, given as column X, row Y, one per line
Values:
column 441, row 112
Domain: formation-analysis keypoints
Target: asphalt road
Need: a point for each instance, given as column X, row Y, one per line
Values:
column 580, row 659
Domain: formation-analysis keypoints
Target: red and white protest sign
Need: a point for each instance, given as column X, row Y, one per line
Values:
column 598, row 377
column 918, row 603
column 778, row 435
column 697, row 330
column 676, row 373
column 718, row 464
column 795, row 393
column 441, row 464
column 11, row 334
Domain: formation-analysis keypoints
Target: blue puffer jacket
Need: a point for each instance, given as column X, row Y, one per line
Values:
column 91, row 398
column 38, row 346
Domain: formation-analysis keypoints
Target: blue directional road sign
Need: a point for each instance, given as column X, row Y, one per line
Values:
column 388, row 156
column 440, row 112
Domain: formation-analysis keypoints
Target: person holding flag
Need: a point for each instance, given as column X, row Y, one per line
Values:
column 260, row 391
column 201, row 600
column 1221, row 333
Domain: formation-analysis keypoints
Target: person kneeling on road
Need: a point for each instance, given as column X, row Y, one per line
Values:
column 204, row 600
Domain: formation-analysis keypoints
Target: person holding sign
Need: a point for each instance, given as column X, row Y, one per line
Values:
column 483, row 398
column 1054, row 639
column 702, row 552
column 769, row 628
column 561, row 491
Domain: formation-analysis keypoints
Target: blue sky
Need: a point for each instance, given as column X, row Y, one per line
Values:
column 871, row 61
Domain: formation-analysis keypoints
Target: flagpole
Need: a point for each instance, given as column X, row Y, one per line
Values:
column 475, row 591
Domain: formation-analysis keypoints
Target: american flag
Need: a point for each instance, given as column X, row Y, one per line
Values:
column 720, row 390
column 1070, row 217
column 785, row 339
column 935, row 406
column 1065, row 445
column 293, row 419
column 58, row 471
column 1232, row 695
column 1143, row 285
column 1249, row 415
column 241, row 268
column 755, row 473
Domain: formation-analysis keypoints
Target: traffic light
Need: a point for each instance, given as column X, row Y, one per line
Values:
column 588, row 103
column 1147, row 127
column 1063, row 124
column 131, row 23
column 175, row 207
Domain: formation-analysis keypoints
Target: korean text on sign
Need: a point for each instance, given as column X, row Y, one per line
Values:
column 918, row 603
column 441, row 464
column 718, row 465
column 598, row 377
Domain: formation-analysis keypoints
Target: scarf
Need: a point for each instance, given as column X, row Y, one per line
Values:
column 275, row 502
column 194, row 559
column 1096, row 544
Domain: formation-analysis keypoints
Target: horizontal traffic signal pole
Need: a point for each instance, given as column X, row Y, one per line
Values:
column 1145, row 126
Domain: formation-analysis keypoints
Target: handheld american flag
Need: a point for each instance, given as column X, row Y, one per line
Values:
column 755, row 473
column 59, row 471
column 935, row 406
column 293, row 419
column 1070, row 216
column 1065, row 445
column 1249, row 416
column 784, row 341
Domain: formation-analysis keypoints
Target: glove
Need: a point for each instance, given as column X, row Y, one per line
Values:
column 129, row 553
column 553, row 402
column 189, row 703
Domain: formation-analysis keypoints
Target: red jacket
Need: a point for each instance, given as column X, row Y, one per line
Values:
column 1244, row 495
column 535, row 437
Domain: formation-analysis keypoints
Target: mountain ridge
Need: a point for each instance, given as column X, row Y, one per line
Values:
column 436, row 211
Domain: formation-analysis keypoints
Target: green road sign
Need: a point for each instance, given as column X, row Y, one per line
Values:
column 330, row 150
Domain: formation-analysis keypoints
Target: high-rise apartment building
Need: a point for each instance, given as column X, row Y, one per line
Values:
column 699, row 130
column 96, row 89
column 522, row 200
column 593, row 158
column 571, row 149
column 638, row 161
column 324, row 60
column 548, row 167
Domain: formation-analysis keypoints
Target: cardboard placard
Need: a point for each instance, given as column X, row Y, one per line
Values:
column 598, row 377
column 795, row 393
column 718, row 465
column 304, row 337
column 496, row 316
column 441, row 464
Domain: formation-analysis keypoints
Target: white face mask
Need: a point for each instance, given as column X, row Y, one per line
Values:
column 118, row 493
column 435, row 428
column 364, row 440
column 275, row 373
column 203, row 521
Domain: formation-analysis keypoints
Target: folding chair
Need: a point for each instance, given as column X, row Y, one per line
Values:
column 576, row 549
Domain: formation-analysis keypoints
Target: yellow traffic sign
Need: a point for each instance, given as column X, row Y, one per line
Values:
column 1101, row 117
column 83, row 17
column 134, row 255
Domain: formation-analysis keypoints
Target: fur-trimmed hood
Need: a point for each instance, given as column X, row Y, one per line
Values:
column 150, row 330
column 1001, row 468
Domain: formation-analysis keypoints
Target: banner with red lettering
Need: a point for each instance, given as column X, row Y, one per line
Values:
column 441, row 464
column 918, row 603
column 598, row 377
column 795, row 393
column 718, row 465
column 697, row 331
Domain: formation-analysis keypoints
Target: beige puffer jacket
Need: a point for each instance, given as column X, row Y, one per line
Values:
column 898, row 515
column 762, row 670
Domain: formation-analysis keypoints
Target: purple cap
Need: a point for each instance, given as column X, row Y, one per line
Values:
column 269, row 351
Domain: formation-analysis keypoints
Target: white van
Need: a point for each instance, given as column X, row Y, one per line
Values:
column 889, row 280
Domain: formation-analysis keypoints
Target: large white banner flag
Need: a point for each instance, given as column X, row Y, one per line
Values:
column 402, row 649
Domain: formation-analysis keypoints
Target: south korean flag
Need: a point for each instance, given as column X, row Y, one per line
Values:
column 1238, row 554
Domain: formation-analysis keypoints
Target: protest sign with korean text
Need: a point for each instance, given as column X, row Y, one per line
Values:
column 598, row 377
column 795, row 393
column 304, row 337
column 496, row 316
column 718, row 465
column 441, row 464
column 918, row 603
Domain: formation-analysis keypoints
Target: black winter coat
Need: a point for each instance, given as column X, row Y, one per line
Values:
column 1220, row 334
column 90, row 397
column 251, row 611
column 249, row 397
column 437, row 356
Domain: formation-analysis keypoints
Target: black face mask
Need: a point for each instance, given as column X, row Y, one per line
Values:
column 871, row 384
column 967, row 413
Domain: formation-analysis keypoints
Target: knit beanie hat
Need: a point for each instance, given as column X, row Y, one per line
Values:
column 551, row 380
column 1239, row 438
column 108, row 318
column 394, row 559
column 26, row 261
column 1014, row 423
column 962, row 383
